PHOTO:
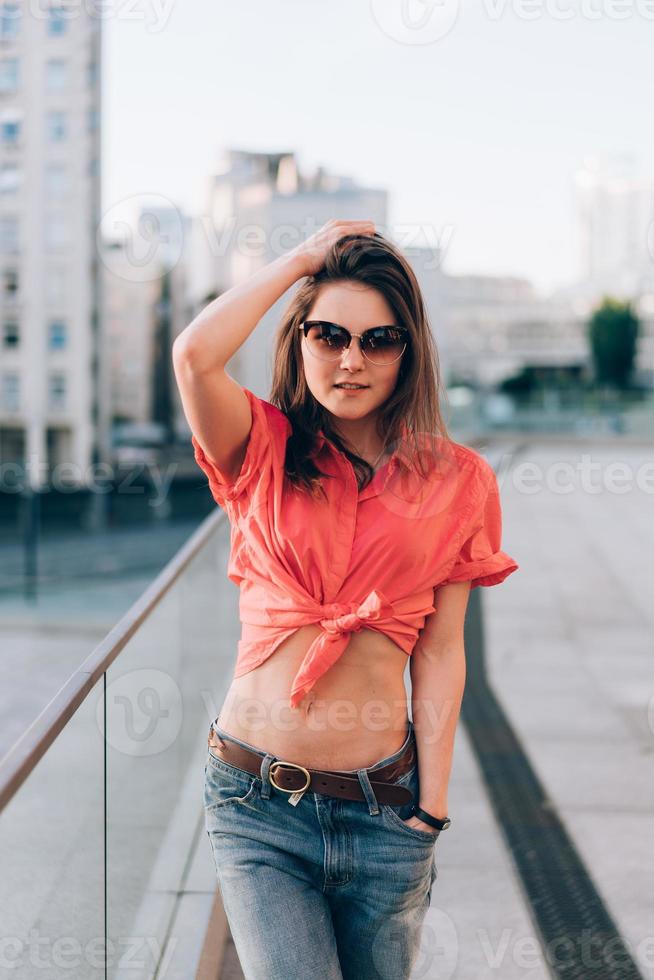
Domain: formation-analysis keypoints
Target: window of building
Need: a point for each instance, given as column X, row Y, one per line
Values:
column 57, row 183
column 56, row 231
column 56, row 23
column 10, row 334
column 8, row 233
column 9, row 75
column 55, row 286
column 55, row 125
column 10, row 126
column 57, row 335
column 56, row 390
column 10, row 14
column 10, row 391
column 10, row 178
column 56, row 74
column 10, row 283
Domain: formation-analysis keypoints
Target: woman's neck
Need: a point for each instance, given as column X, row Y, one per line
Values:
column 364, row 441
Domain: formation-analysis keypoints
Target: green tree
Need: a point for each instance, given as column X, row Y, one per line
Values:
column 612, row 334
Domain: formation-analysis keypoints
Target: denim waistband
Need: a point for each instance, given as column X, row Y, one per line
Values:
column 376, row 765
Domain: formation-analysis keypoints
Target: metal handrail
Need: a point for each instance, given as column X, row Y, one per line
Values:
column 24, row 755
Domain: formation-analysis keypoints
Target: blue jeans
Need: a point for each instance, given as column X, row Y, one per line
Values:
column 329, row 888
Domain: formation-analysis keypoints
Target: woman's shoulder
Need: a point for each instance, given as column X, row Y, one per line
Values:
column 276, row 419
column 471, row 459
column 463, row 457
column 472, row 473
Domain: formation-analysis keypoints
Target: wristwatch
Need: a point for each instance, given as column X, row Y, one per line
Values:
column 430, row 819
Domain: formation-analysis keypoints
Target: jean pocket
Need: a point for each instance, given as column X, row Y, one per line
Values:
column 424, row 836
column 226, row 784
column 396, row 815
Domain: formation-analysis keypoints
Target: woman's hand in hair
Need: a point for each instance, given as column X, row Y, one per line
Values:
column 311, row 253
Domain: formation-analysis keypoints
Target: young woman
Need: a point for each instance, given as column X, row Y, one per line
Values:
column 358, row 529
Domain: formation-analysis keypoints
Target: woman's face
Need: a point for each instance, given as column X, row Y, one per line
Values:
column 357, row 308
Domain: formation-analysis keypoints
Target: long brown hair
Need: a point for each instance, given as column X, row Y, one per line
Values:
column 414, row 405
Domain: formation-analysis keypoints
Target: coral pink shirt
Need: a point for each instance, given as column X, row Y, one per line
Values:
column 368, row 559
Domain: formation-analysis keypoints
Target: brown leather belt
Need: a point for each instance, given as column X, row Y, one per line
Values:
column 292, row 778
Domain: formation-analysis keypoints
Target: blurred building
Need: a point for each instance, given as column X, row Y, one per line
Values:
column 615, row 221
column 146, row 306
column 50, row 384
column 490, row 339
column 497, row 325
column 615, row 234
column 130, row 327
column 644, row 307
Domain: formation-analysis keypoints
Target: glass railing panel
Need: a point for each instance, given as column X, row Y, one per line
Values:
column 52, row 858
column 156, row 737
column 210, row 633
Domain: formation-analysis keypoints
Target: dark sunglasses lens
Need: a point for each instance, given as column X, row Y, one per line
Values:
column 326, row 340
column 383, row 345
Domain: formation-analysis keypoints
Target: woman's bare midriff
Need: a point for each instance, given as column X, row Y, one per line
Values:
column 355, row 715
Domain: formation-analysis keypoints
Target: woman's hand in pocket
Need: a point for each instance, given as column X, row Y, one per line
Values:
column 419, row 824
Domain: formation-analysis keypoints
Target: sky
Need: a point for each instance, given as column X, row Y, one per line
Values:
column 473, row 117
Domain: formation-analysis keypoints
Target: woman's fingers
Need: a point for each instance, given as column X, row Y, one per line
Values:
column 315, row 248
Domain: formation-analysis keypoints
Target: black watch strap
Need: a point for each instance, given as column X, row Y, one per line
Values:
column 430, row 819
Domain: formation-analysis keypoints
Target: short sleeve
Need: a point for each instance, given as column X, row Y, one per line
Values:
column 480, row 560
column 256, row 462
